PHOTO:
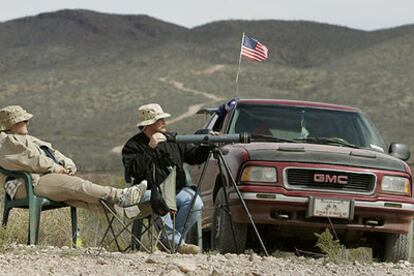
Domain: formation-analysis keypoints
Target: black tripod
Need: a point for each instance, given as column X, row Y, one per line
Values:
column 225, row 171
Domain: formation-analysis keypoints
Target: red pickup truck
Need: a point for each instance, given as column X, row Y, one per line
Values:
column 310, row 166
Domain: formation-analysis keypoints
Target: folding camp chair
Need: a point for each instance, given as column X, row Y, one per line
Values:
column 122, row 216
column 194, row 235
column 148, row 221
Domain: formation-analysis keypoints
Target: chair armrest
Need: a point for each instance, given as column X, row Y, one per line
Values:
column 27, row 179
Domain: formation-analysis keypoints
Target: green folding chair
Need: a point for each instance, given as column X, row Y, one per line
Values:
column 36, row 205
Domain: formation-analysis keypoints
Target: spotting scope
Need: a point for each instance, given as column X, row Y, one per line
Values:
column 209, row 139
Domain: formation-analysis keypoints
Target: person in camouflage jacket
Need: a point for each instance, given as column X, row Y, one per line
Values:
column 53, row 174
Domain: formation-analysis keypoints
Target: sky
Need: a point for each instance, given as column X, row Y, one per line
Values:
column 357, row 14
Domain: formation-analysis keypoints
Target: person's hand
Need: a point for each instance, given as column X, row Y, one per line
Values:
column 71, row 170
column 214, row 133
column 61, row 170
column 156, row 138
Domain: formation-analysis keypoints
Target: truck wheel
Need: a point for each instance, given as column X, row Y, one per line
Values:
column 221, row 230
column 398, row 246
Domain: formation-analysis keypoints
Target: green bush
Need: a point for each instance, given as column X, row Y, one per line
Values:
column 338, row 253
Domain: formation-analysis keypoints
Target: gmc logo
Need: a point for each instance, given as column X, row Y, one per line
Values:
column 326, row 178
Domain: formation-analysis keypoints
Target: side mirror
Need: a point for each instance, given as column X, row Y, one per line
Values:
column 400, row 151
column 202, row 131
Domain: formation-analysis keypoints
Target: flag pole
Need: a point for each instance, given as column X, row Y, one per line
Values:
column 238, row 70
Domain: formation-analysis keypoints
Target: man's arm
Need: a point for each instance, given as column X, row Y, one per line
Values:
column 64, row 161
column 195, row 154
column 17, row 155
column 136, row 162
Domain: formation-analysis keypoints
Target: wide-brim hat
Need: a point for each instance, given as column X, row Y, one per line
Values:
column 150, row 113
column 11, row 115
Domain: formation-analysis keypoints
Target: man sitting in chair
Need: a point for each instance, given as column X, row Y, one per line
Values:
column 52, row 172
column 145, row 155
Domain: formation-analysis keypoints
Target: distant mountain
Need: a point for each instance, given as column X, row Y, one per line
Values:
column 83, row 73
column 68, row 36
column 83, row 27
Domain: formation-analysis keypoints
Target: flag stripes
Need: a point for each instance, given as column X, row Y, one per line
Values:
column 253, row 49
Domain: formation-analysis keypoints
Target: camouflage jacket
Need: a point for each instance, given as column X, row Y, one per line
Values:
column 23, row 153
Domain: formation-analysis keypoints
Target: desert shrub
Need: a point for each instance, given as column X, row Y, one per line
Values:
column 338, row 253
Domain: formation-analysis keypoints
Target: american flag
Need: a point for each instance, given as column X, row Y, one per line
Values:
column 253, row 49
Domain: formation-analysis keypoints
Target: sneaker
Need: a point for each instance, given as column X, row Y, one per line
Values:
column 132, row 196
column 186, row 248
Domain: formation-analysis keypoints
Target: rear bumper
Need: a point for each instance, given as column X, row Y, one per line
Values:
column 279, row 209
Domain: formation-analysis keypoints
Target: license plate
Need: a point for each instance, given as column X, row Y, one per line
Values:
column 328, row 207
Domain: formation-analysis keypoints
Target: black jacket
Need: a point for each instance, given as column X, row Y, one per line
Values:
column 138, row 158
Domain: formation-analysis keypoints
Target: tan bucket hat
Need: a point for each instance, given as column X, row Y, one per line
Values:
column 11, row 115
column 150, row 113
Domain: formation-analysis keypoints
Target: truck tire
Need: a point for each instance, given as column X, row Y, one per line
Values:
column 398, row 246
column 221, row 230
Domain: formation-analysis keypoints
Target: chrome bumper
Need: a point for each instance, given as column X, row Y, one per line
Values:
column 388, row 205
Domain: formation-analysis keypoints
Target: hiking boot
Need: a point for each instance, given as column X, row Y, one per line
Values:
column 132, row 196
column 186, row 248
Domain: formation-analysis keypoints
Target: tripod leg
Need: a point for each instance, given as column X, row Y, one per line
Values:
column 236, row 188
column 194, row 198
column 223, row 228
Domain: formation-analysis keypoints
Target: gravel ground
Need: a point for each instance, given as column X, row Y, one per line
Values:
column 27, row 260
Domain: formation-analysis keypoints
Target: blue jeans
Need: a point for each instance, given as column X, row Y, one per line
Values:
column 183, row 199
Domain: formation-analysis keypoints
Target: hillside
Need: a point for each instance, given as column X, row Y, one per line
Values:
column 83, row 74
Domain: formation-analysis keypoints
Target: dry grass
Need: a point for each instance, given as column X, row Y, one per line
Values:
column 55, row 229
column 55, row 225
